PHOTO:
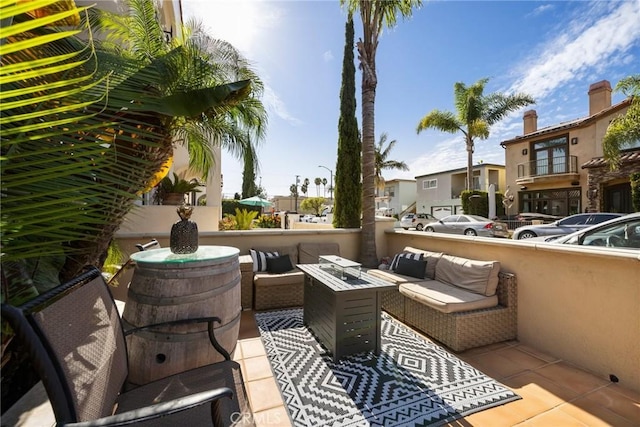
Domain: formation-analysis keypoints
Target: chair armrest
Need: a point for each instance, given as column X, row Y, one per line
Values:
column 209, row 320
column 156, row 411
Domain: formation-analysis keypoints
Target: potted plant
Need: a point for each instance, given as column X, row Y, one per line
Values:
column 171, row 192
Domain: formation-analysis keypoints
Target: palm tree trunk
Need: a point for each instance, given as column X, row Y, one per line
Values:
column 368, row 253
column 469, row 165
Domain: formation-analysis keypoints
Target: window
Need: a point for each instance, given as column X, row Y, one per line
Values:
column 551, row 156
column 429, row 183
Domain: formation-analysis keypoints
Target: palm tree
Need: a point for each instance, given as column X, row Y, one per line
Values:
column 476, row 113
column 324, row 187
column 317, row 182
column 375, row 15
column 74, row 159
column 623, row 131
column 197, row 61
column 382, row 163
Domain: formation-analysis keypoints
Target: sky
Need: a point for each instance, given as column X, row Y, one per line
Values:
column 551, row 50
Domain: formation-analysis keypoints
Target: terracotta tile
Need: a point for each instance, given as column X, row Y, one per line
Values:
column 237, row 352
column 505, row 362
column 483, row 349
column 616, row 402
column 255, row 368
column 248, row 326
column 594, row 415
column 275, row 417
column 571, row 377
column 627, row 392
column 264, row 394
column 538, row 395
column 494, row 417
column 252, row 347
column 555, row 417
column 540, row 355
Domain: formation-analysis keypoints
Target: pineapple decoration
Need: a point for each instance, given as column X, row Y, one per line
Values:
column 184, row 233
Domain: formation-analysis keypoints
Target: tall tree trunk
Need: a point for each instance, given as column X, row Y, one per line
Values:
column 469, row 164
column 368, row 254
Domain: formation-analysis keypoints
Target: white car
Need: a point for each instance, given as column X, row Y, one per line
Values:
column 307, row 218
column 416, row 221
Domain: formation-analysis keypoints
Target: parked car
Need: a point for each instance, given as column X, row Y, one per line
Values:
column 622, row 232
column 563, row 226
column 534, row 216
column 469, row 225
column 307, row 218
column 416, row 221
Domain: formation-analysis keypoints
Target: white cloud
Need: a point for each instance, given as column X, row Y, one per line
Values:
column 542, row 9
column 587, row 45
column 327, row 56
column 274, row 105
column 246, row 24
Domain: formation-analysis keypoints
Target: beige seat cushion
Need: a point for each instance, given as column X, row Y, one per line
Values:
column 308, row 253
column 446, row 298
column 390, row 276
column 476, row 276
column 270, row 279
column 432, row 259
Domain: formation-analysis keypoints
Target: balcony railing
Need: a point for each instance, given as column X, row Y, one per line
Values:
column 560, row 165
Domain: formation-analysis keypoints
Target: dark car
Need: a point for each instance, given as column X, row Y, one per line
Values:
column 563, row 226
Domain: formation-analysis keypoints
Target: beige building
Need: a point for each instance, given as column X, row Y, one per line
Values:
column 559, row 170
column 397, row 197
column 439, row 193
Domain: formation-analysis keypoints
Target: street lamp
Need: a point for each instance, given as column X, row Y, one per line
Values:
column 331, row 181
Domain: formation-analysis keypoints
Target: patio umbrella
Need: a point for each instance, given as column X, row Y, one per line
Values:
column 255, row 201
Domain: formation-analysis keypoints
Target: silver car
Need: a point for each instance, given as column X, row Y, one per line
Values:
column 622, row 232
column 563, row 226
column 468, row 225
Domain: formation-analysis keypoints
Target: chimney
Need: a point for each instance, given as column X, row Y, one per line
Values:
column 599, row 97
column 530, row 121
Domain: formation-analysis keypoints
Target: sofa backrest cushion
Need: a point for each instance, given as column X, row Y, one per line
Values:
column 292, row 251
column 309, row 252
column 432, row 259
column 476, row 276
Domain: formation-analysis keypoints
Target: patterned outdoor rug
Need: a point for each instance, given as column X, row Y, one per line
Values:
column 411, row 383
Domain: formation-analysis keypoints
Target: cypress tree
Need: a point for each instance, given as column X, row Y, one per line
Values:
column 348, row 185
column 249, row 188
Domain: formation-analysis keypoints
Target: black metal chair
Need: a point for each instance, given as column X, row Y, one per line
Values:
column 76, row 342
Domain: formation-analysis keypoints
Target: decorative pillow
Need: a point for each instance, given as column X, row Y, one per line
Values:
column 279, row 264
column 409, row 255
column 260, row 259
column 411, row 267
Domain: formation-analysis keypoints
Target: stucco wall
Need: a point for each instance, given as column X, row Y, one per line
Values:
column 574, row 303
column 577, row 304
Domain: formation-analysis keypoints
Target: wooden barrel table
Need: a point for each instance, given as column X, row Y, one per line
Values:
column 167, row 286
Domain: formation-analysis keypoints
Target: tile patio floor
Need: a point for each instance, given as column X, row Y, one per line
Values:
column 554, row 393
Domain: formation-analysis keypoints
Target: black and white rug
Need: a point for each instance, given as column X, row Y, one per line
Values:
column 413, row 382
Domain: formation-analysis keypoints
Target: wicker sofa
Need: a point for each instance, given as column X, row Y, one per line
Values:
column 460, row 302
column 267, row 291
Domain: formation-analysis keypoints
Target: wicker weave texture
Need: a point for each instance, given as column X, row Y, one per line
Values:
column 279, row 296
column 393, row 303
column 246, row 281
column 469, row 329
